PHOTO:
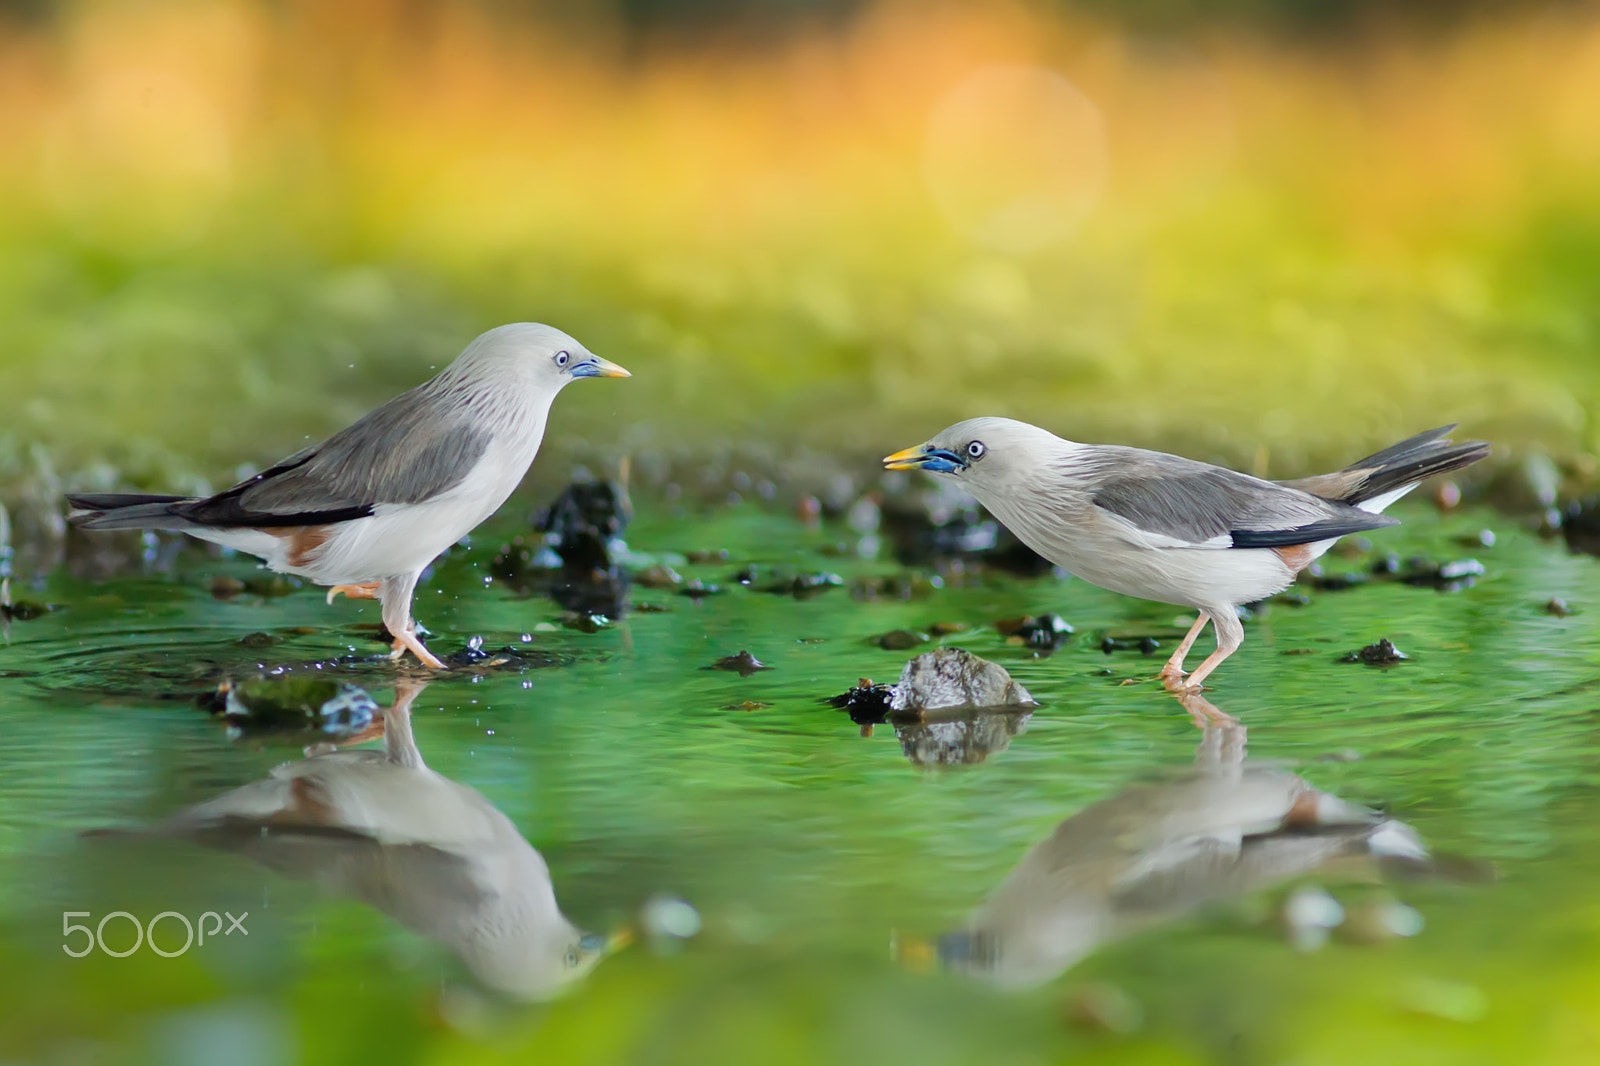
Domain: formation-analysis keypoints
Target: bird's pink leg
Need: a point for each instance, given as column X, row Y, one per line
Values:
column 1230, row 634
column 367, row 590
column 1172, row 673
column 396, row 597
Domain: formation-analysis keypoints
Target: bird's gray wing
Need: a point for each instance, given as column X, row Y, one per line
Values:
column 410, row 450
column 1174, row 502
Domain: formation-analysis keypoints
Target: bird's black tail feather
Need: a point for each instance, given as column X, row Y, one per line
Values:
column 1402, row 465
column 114, row 510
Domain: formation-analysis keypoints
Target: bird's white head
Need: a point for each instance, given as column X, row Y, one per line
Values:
column 543, row 356
column 539, row 960
column 984, row 455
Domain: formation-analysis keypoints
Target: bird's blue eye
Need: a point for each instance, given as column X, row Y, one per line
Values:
column 975, row 450
column 561, row 358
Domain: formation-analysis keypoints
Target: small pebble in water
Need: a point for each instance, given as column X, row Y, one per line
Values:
column 1380, row 654
column 743, row 663
column 900, row 640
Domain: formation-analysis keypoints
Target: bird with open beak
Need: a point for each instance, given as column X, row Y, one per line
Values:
column 369, row 508
column 1161, row 527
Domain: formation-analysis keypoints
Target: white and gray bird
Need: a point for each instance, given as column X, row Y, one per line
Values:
column 428, row 851
column 1161, row 527
column 369, row 508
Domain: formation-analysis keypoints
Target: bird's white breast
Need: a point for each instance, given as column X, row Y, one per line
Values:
column 405, row 538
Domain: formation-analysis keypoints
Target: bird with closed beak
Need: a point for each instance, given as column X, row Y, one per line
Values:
column 368, row 509
column 430, row 852
column 1164, row 528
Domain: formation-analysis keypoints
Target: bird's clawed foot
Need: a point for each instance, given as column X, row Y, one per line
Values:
column 1175, row 681
column 406, row 640
column 366, row 591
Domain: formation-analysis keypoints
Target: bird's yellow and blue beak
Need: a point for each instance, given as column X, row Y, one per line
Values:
column 925, row 457
column 604, row 944
column 592, row 366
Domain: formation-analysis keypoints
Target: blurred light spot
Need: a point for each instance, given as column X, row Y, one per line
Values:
column 1016, row 157
column 1309, row 914
column 243, row 1033
column 1399, row 919
column 664, row 916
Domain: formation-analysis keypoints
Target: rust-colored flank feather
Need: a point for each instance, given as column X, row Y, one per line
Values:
column 304, row 542
column 1295, row 556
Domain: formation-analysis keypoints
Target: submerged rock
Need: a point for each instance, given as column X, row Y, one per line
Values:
column 785, row 582
column 581, row 524
column 1580, row 524
column 895, row 587
column 573, row 563
column 900, row 640
column 1045, row 631
column 804, row 586
column 265, row 585
column 658, row 577
column 1449, row 576
column 224, row 587
column 586, row 622
column 594, row 594
column 293, row 704
column 1380, row 654
column 744, row 664
column 1319, row 579
column 19, row 610
column 1144, row 645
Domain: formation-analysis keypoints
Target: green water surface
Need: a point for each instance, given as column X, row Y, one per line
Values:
column 822, row 862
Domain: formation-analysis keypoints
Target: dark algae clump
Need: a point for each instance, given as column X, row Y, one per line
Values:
column 1381, row 653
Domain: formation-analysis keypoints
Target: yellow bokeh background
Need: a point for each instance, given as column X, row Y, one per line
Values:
column 226, row 225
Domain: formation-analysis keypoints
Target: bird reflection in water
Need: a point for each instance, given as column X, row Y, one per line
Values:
column 429, row 852
column 1150, row 853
